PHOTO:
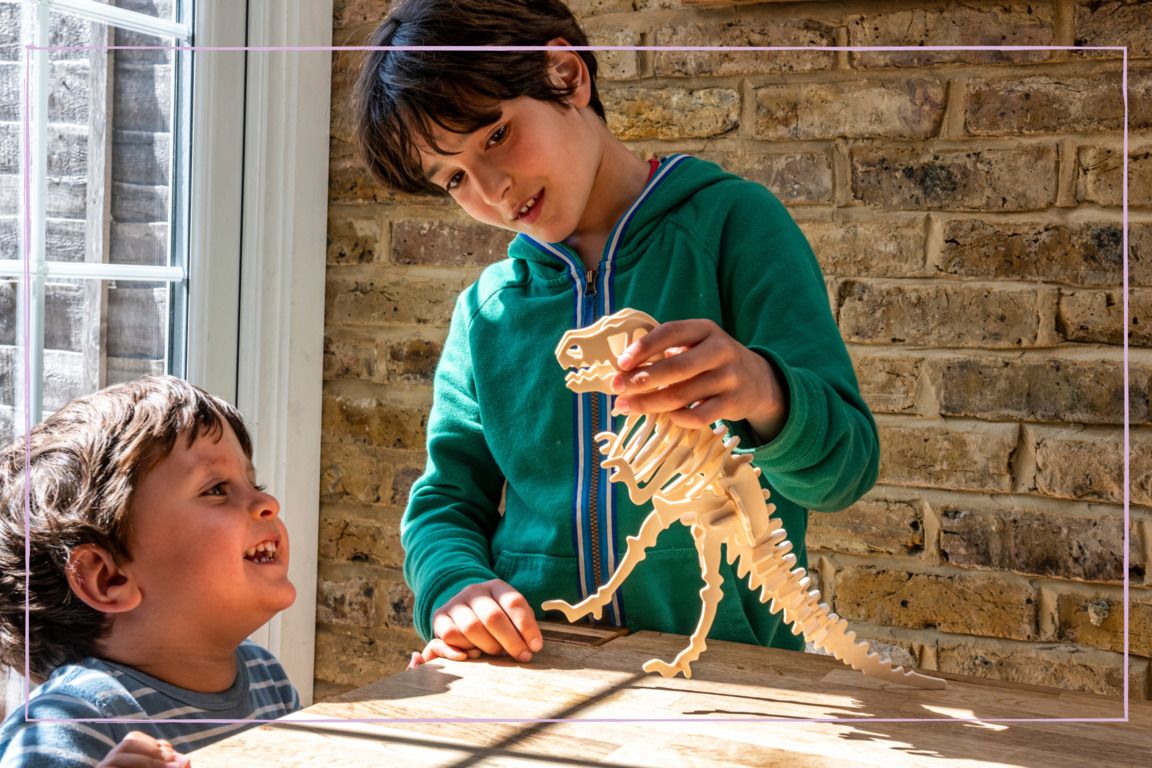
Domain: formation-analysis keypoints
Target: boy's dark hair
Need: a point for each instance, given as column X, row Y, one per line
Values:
column 402, row 96
column 78, row 470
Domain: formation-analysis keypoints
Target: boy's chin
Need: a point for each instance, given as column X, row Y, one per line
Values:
column 289, row 596
column 283, row 599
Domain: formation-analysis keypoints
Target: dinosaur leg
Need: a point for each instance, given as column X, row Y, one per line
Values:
column 712, row 517
column 708, row 540
column 636, row 550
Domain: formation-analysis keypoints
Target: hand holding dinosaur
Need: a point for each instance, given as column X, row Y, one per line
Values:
column 700, row 375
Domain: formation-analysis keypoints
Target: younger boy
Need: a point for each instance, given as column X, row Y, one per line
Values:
column 518, row 140
column 152, row 554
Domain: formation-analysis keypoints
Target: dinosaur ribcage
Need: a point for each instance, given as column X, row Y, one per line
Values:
column 654, row 457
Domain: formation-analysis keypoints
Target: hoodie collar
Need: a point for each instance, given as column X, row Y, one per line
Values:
column 652, row 203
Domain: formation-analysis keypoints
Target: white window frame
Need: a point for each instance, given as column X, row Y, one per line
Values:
column 216, row 181
column 284, row 242
column 263, row 215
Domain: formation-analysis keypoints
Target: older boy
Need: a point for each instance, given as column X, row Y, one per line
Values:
column 518, row 140
column 152, row 554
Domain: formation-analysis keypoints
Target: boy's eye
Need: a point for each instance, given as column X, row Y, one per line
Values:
column 216, row 490
column 454, row 181
column 498, row 135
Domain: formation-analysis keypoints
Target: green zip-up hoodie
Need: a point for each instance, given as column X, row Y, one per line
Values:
column 698, row 243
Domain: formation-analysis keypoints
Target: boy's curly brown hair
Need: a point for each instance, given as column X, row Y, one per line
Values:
column 69, row 482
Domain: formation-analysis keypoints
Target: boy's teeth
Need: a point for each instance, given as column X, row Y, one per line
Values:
column 266, row 548
column 528, row 205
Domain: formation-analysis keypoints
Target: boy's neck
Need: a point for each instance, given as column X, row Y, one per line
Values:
column 202, row 673
column 188, row 663
column 620, row 178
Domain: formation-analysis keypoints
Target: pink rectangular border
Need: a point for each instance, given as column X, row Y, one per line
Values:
column 26, row 137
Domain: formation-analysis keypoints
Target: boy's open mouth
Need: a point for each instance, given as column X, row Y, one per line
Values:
column 528, row 205
column 264, row 552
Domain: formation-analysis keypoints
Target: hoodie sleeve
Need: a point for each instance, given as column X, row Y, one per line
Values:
column 454, row 507
column 776, row 303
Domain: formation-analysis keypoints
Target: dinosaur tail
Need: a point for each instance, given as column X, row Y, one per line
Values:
column 770, row 567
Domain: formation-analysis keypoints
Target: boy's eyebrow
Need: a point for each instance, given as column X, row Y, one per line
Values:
column 437, row 165
column 209, row 465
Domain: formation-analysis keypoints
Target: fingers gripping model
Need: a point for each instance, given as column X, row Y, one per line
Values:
column 692, row 476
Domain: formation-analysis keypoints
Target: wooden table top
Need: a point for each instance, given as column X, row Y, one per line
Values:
column 581, row 704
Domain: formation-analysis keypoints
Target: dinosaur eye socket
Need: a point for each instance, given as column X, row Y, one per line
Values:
column 618, row 343
column 576, row 352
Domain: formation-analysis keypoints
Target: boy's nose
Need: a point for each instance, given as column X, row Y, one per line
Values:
column 265, row 505
column 493, row 184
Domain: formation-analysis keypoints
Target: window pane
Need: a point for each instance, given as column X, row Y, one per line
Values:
column 12, row 39
column 106, row 167
column 11, row 111
column 7, row 358
column 161, row 9
column 141, row 152
column 110, row 147
column 69, row 116
column 78, row 358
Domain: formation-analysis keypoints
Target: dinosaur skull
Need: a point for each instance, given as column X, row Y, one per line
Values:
column 591, row 352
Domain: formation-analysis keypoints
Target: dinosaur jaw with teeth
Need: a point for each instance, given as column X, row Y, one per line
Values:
column 590, row 354
column 596, row 377
column 264, row 552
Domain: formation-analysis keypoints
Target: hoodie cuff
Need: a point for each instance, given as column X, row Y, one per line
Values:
column 441, row 591
column 803, row 426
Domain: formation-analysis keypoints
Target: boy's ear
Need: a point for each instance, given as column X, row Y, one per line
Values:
column 567, row 68
column 96, row 579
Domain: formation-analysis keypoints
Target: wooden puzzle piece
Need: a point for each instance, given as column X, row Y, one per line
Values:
column 692, row 476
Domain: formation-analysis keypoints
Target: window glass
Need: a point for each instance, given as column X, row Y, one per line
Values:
column 163, row 9
column 103, row 198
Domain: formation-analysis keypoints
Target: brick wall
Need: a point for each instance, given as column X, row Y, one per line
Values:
column 966, row 209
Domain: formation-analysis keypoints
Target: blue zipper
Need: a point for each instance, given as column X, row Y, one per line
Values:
column 594, row 514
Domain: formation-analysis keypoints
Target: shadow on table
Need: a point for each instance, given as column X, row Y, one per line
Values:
column 822, row 702
column 508, row 749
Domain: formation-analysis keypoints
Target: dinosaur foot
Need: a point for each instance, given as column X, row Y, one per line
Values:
column 669, row 670
column 574, row 612
column 907, row 677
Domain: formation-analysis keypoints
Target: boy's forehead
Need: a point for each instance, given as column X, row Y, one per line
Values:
column 209, row 448
column 449, row 142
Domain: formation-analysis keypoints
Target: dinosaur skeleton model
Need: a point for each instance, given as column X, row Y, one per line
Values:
column 691, row 475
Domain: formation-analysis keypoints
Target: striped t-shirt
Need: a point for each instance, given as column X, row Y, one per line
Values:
column 98, row 689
